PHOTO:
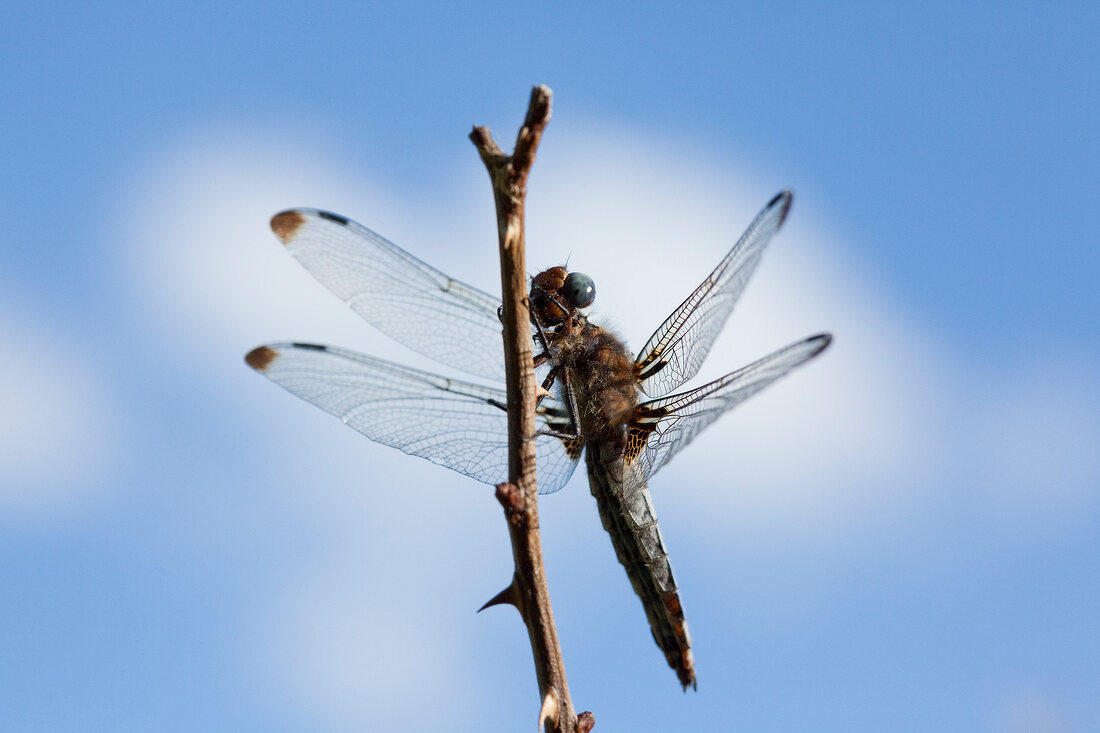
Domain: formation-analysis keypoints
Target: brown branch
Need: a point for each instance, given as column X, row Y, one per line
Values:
column 528, row 590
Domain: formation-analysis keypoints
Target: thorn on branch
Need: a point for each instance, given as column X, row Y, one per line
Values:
column 506, row 596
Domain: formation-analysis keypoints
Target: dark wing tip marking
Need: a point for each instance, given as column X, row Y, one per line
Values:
column 311, row 347
column 286, row 224
column 343, row 221
column 821, row 342
column 785, row 197
column 260, row 358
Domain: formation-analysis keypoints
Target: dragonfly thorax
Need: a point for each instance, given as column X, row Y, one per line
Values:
column 601, row 375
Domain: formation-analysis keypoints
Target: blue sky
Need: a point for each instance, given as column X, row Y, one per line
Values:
column 904, row 536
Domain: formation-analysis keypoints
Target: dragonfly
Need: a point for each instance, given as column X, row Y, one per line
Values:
column 599, row 401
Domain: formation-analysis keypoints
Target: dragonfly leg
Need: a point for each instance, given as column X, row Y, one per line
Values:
column 556, row 372
column 541, row 334
column 559, row 434
column 547, row 383
column 539, row 360
column 574, row 429
column 544, row 357
column 570, row 403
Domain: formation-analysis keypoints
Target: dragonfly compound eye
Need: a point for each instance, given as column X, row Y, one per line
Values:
column 579, row 290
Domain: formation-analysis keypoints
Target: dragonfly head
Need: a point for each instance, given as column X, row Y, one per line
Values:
column 557, row 294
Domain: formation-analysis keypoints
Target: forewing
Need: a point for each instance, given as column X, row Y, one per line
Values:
column 412, row 302
column 460, row 425
column 664, row 426
column 676, row 350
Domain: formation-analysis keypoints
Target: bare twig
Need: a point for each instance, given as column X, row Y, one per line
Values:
column 528, row 590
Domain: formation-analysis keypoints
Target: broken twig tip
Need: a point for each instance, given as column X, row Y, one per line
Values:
column 540, row 107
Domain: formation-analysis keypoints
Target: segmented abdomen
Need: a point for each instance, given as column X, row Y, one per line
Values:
column 631, row 521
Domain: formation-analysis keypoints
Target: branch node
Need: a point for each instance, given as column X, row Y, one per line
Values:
column 511, row 498
column 549, row 711
column 586, row 721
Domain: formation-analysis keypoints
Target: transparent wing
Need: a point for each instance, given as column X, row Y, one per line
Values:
column 678, row 347
column 412, row 302
column 664, row 426
column 460, row 425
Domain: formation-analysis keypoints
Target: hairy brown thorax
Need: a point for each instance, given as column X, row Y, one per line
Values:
column 602, row 376
column 601, row 371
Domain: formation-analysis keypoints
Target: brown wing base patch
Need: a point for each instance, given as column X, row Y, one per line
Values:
column 573, row 447
column 639, row 429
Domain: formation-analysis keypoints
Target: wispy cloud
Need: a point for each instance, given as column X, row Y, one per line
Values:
column 59, row 427
column 891, row 425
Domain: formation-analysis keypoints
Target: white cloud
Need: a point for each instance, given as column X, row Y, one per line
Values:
column 888, row 419
column 220, row 283
column 847, row 426
column 886, row 424
column 58, row 430
column 202, row 249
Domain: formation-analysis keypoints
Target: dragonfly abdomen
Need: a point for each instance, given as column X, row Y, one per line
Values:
column 631, row 522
